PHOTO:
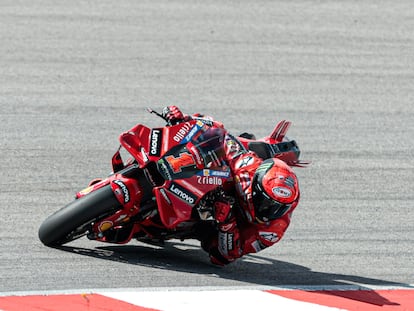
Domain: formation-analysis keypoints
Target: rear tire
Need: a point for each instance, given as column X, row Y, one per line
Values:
column 73, row 220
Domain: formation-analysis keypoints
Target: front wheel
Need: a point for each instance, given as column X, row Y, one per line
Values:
column 73, row 220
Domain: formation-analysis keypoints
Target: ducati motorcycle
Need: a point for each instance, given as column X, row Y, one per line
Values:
column 155, row 193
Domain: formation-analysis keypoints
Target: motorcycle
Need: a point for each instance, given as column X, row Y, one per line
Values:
column 155, row 194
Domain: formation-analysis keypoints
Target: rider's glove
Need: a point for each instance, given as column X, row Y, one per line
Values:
column 222, row 211
column 228, row 247
column 223, row 207
column 173, row 115
column 228, row 243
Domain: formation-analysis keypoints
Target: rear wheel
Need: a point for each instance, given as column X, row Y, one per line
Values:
column 74, row 220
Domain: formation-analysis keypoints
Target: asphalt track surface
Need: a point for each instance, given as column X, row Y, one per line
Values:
column 75, row 74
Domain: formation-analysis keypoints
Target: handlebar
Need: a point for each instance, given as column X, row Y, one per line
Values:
column 150, row 110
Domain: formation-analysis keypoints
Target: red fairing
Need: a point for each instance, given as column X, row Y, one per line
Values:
column 127, row 191
column 189, row 156
column 93, row 186
column 136, row 142
column 173, row 209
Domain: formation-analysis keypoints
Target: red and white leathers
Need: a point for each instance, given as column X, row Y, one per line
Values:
column 240, row 232
column 245, row 234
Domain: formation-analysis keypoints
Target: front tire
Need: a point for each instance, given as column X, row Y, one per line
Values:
column 73, row 220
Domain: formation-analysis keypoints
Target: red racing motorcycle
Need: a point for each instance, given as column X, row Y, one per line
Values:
column 155, row 193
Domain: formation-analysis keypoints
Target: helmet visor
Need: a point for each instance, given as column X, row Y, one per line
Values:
column 266, row 208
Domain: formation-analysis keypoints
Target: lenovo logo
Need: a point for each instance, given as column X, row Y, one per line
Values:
column 155, row 143
column 182, row 194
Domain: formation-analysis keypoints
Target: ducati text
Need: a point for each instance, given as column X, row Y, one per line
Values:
column 124, row 189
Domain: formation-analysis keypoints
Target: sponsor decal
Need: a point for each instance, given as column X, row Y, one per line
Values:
column 223, row 174
column 232, row 146
column 269, row 236
column 196, row 128
column 144, row 155
column 244, row 162
column 281, row 192
column 165, row 196
column 209, row 180
column 155, row 142
column 182, row 132
column 86, row 190
column 225, row 242
column 185, row 159
column 264, row 167
column 164, row 169
column 256, row 246
column 182, row 193
column 230, row 241
column 124, row 189
column 105, row 225
column 197, row 156
column 290, row 182
column 222, row 243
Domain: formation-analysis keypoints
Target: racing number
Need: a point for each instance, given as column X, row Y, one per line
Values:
column 183, row 160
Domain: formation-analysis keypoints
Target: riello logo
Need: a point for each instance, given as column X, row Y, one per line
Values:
column 209, row 180
column 182, row 132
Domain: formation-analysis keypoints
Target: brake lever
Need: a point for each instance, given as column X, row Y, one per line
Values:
column 150, row 110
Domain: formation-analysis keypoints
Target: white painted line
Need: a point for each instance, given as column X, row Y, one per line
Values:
column 214, row 300
column 206, row 288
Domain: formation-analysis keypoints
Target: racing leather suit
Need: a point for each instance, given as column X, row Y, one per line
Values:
column 239, row 231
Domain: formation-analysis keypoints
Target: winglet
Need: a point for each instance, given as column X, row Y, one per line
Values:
column 280, row 130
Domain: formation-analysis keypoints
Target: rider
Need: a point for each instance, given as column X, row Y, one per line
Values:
column 266, row 190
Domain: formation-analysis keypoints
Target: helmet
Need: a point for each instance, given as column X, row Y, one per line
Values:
column 274, row 189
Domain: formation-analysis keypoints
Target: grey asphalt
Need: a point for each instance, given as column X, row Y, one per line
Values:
column 75, row 74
